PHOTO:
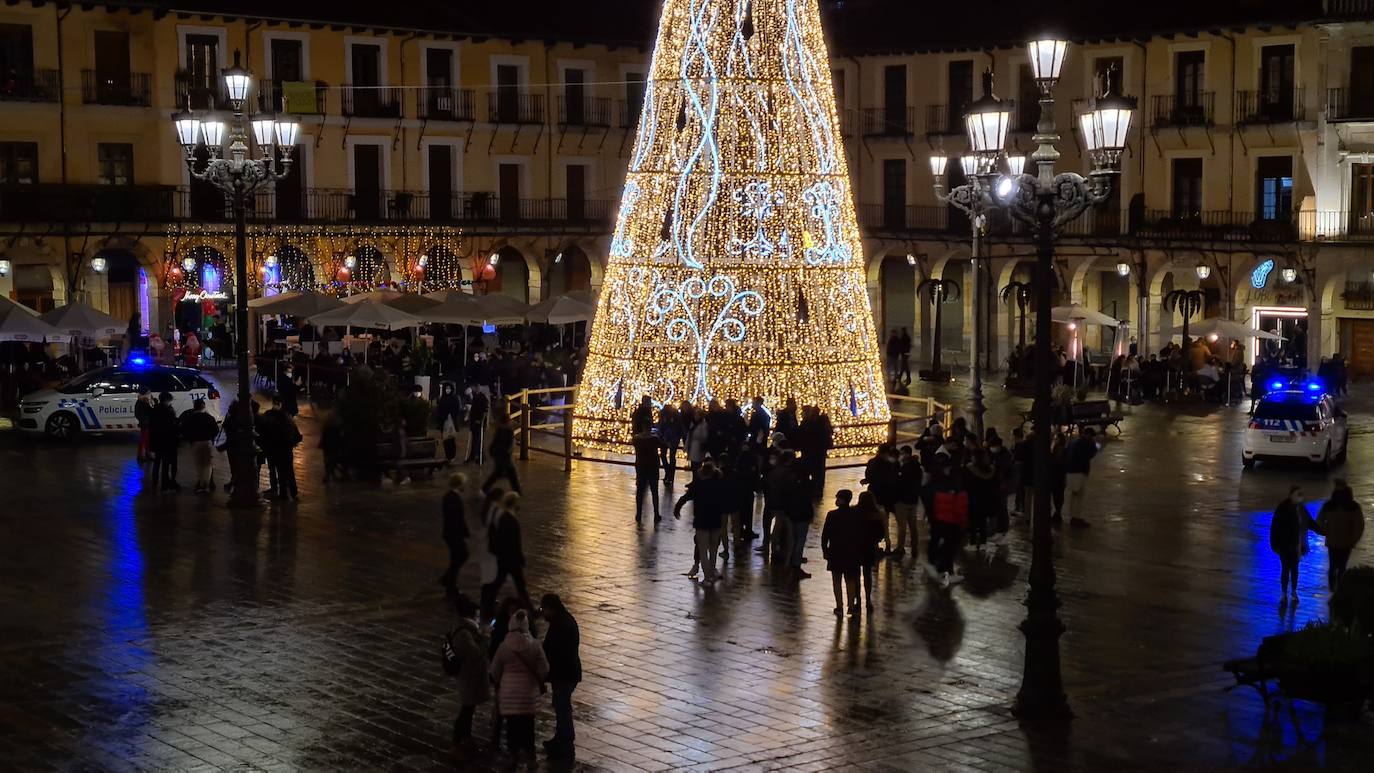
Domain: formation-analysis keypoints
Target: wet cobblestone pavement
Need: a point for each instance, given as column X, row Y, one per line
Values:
column 155, row 631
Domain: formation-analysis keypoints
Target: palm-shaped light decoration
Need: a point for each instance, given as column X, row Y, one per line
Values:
column 1187, row 303
column 1018, row 292
column 938, row 291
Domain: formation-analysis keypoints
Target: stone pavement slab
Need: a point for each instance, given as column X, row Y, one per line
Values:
column 144, row 631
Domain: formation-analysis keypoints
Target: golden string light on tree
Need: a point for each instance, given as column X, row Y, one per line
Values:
column 736, row 268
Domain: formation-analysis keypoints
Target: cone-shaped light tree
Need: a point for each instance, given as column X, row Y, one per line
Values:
column 735, row 268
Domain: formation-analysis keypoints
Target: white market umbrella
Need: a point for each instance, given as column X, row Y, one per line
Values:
column 561, row 310
column 366, row 314
column 82, row 321
column 1224, row 328
column 502, row 309
column 20, row 323
column 380, row 295
column 295, row 304
column 1082, row 315
column 454, row 308
column 412, row 303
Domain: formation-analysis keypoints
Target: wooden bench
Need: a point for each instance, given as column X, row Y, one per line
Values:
column 415, row 455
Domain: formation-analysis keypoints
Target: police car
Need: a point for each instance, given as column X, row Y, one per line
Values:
column 102, row 400
column 1296, row 421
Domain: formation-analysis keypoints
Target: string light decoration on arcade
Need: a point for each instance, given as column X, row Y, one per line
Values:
column 735, row 267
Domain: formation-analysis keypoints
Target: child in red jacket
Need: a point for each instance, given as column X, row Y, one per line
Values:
column 948, row 521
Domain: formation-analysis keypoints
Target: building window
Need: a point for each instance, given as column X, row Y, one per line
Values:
column 1188, row 84
column 1274, row 187
column 1277, row 64
column 1187, row 187
column 18, row 163
column 1027, row 100
column 894, row 193
column 634, row 98
column 116, row 163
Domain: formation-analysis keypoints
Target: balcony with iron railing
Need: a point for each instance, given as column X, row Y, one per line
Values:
column 1349, row 8
column 127, row 89
column 1264, row 107
column 1336, row 225
column 372, row 101
column 945, row 119
column 629, row 113
column 87, row 203
column 445, row 103
column 1345, row 104
column 1183, row 110
column 892, row 219
column 35, row 86
column 293, row 97
column 584, row 111
column 888, row 122
column 511, row 108
column 1215, row 225
column 200, row 93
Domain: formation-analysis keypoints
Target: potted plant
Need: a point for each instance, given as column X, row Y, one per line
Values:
column 1325, row 662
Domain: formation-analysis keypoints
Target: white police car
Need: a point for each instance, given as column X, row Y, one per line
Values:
column 102, row 400
column 1296, row 421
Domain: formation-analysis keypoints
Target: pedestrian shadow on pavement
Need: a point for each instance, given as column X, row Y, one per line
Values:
column 940, row 624
column 988, row 573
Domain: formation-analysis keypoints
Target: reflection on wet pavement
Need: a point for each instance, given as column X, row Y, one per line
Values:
column 150, row 631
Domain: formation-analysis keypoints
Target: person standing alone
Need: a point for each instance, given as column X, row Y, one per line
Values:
column 647, row 463
column 1078, row 457
column 561, row 644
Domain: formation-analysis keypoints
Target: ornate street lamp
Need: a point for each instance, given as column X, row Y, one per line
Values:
column 239, row 176
column 1046, row 200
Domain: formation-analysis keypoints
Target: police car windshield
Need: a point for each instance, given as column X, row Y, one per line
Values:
column 1299, row 408
column 83, row 383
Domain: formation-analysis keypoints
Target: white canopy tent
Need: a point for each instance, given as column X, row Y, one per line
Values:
column 366, row 314
column 20, row 323
column 1224, row 328
column 295, row 304
column 561, row 310
column 502, row 309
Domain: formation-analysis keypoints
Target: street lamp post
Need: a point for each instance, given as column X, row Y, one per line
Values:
column 239, row 176
column 1045, row 201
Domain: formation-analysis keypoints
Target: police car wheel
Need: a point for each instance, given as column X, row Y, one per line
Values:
column 62, row 426
column 1247, row 463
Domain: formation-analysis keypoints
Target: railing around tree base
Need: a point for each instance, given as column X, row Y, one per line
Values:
column 549, row 412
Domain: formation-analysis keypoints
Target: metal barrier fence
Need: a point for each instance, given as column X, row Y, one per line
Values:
column 533, row 409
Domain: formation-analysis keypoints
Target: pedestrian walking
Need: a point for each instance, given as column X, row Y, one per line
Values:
column 778, row 484
column 332, row 446
column 880, row 475
column 1023, row 472
column 470, row 651
column 478, row 406
column 561, row 644
column 1078, row 457
column 163, row 436
column 842, row 546
column 800, row 512
column 518, row 671
column 199, row 429
column 948, row 520
column 873, row 529
column 502, row 447
column 983, row 492
column 448, row 415
column 647, row 463
column 670, row 435
column 1341, row 522
column 143, row 410
column 506, row 544
column 1288, row 539
column 707, row 494
column 278, row 436
column 910, row 476
column 455, row 531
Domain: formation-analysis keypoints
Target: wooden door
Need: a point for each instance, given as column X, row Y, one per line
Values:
column 577, row 192
column 1361, row 355
column 510, row 192
column 112, row 67
column 367, row 182
column 894, row 97
column 441, row 182
column 507, row 93
column 290, row 190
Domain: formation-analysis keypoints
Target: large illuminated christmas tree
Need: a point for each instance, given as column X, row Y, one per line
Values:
column 736, row 268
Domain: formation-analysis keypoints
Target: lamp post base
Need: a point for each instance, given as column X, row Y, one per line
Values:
column 939, row 376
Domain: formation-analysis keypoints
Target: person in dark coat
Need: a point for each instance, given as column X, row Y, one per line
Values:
column 982, row 496
column 671, row 432
column 1341, row 522
column 143, row 409
column 478, row 406
column 1288, row 539
column 502, row 446
column 759, row 423
column 199, row 429
column 163, row 436
column 647, row 463
column 473, row 682
column 708, row 494
column 873, row 522
column 642, row 418
column 278, row 436
column 561, row 643
column 787, row 422
column 842, row 547
column 880, row 475
column 448, row 416
column 910, row 478
column 506, row 544
column 455, row 531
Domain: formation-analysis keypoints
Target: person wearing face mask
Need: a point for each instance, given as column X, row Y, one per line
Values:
column 1288, row 539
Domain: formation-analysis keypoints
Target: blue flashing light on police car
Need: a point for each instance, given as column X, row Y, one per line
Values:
column 1275, row 385
column 138, row 361
column 1314, row 386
